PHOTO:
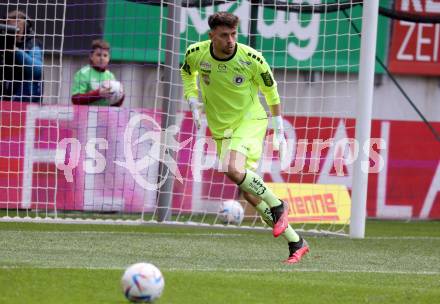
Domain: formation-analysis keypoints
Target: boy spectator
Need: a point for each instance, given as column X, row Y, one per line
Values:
column 89, row 83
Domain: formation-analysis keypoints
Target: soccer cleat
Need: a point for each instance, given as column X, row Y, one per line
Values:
column 297, row 252
column 281, row 222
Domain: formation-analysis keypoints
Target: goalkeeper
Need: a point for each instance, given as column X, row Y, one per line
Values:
column 230, row 76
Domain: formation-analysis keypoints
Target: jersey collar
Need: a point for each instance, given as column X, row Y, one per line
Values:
column 219, row 59
column 97, row 68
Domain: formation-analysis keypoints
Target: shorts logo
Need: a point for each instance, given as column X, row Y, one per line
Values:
column 267, row 79
column 246, row 148
column 238, row 79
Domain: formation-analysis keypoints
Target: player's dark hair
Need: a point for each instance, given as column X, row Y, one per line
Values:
column 100, row 44
column 222, row 19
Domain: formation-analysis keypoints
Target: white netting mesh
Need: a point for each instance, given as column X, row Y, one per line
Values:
column 116, row 167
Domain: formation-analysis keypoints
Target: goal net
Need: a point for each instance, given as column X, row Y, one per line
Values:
column 145, row 161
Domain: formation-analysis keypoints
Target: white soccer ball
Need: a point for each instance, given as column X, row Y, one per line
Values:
column 142, row 283
column 116, row 89
column 231, row 212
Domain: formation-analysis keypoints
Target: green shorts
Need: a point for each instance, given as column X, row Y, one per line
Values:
column 247, row 139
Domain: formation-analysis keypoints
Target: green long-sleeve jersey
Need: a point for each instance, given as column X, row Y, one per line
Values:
column 229, row 87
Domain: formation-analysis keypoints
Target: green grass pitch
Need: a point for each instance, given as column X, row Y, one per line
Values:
column 51, row 263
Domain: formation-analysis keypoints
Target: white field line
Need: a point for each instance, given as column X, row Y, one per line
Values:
column 403, row 238
column 127, row 233
column 237, row 270
column 216, row 234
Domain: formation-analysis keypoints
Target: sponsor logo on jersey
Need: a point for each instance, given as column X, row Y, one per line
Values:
column 205, row 78
column 267, row 79
column 222, row 68
column 243, row 62
column 238, row 79
column 94, row 83
column 205, row 67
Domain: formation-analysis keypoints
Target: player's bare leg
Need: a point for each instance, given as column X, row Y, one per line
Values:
column 234, row 166
column 252, row 199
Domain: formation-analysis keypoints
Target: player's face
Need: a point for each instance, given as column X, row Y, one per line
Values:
column 100, row 58
column 20, row 24
column 223, row 40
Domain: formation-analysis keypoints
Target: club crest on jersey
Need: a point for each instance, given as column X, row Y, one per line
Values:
column 205, row 78
column 205, row 67
column 238, row 79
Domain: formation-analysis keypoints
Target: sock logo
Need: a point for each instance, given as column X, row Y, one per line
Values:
column 268, row 213
column 257, row 186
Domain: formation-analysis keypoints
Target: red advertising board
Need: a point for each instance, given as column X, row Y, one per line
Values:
column 404, row 179
column 87, row 140
column 415, row 46
column 106, row 159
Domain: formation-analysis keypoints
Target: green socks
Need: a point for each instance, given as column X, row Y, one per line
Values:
column 264, row 210
column 254, row 184
column 290, row 235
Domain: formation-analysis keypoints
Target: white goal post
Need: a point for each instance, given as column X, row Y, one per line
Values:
column 364, row 116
